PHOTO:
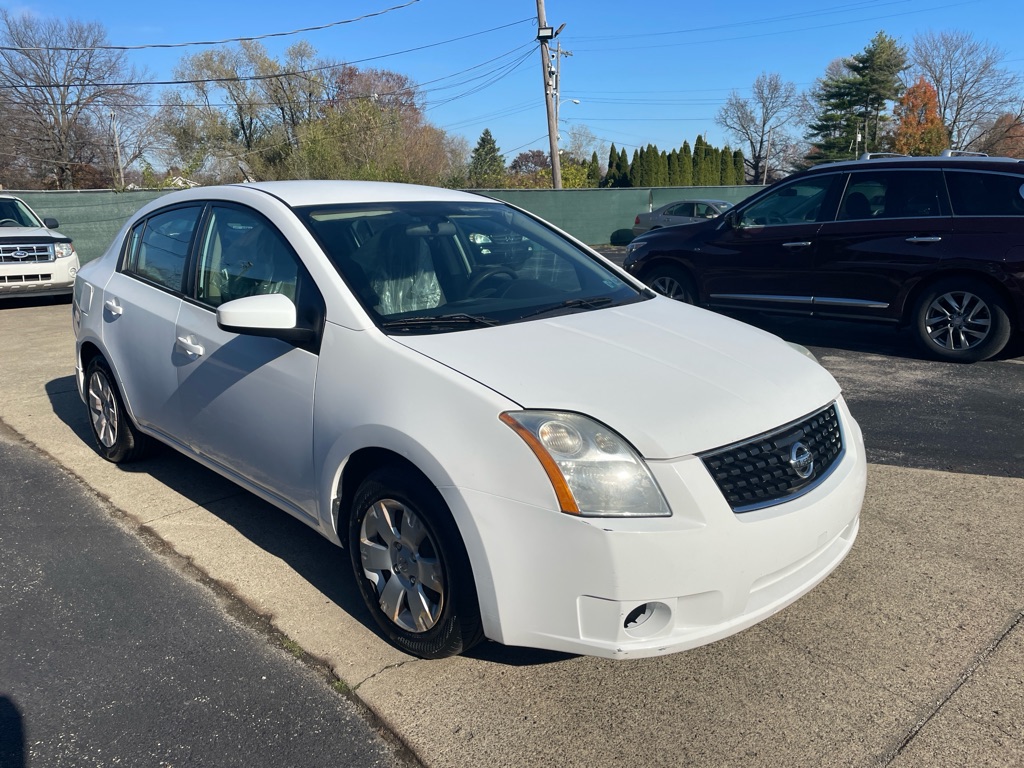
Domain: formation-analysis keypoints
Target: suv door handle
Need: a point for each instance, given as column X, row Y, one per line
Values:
column 797, row 244
column 113, row 307
column 932, row 239
column 190, row 347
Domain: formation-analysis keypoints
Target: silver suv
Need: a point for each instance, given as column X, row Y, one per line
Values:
column 35, row 259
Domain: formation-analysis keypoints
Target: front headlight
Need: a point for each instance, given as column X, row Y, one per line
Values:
column 593, row 470
column 63, row 250
column 633, row 251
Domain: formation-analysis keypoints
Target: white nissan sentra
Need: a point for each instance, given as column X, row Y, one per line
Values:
column 512, row 438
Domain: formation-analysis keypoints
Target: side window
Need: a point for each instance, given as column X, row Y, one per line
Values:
column 243, row 254
column 158, row 254
column 894, row 195
column 684, row 209
column 977, row 193
column 797, row 203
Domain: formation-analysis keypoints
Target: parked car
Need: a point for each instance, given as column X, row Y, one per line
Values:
column 679, row 212
column 35, row 259
column 933, row 243
column 544, row 453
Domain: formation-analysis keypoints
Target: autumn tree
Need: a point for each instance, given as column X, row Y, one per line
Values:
column 66, row 95
column 973, row 87
column 919, row 129
column 1005, row 138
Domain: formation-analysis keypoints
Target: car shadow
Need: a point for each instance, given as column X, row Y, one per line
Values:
column 314, row 558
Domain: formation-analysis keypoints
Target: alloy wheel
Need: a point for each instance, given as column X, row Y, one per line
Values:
column 401, row 560
column 103, row 410
column 958, row 320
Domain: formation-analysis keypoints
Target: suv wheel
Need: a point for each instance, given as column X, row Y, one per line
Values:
column 671, row 282
column 962, row 320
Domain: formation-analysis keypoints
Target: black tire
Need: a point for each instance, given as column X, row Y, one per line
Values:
column 962, row 320
column 116, row 437
column 672, row 282
column 411, row 565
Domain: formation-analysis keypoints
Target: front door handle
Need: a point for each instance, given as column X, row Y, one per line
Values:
column 190, row 347
column 932, row 239
column 797, row 244
column 113, row 307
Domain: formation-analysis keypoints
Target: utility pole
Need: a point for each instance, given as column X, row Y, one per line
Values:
column 545, row 35
column 117, row 151
column 767, row 154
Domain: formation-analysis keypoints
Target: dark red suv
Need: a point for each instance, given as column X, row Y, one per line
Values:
column 935, row 243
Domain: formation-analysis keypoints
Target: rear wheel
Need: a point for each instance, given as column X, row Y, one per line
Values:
column 671, row 282
column 961, row 320
column 116, row 437
column 411, row 566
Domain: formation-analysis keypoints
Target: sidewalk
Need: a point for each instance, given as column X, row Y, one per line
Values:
column 911, row 654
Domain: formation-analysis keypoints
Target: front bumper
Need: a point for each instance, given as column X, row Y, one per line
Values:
column 43, row 278
column 623, row 588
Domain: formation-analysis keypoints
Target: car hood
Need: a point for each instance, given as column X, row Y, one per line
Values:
column 8, row 234
column 670, row 378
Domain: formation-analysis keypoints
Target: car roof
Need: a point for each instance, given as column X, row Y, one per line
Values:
column 307, row 192
column 976, row 162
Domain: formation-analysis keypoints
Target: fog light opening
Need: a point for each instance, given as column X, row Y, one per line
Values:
column 647, row 620
column 638, row 616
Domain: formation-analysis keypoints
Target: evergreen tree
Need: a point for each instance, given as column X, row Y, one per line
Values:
column 635, row 169
column 686, row 166
column 875, row 83
column 673, row 168
column 728, row 173
column 739, row 164
column 594, row 171
column 612, row 175
column 486, row 165
column 623, row 168
column 699, row 156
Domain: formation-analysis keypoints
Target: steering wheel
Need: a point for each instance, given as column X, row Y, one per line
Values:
column 8, row 222
column 477, row 280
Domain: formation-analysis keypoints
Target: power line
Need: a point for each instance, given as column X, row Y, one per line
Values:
column 210, row 42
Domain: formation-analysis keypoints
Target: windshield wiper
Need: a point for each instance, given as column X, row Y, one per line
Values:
column 454, row 319
column 593, row 303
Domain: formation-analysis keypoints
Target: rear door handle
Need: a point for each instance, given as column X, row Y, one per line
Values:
column 797, row 244
column 113, row 307
column 931, row 239
column 190, row 347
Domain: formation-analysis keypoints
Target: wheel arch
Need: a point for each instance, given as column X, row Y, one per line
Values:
column 914, row 294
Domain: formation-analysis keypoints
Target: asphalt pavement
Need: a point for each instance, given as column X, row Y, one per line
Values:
column 910, row 654
column 113, row 656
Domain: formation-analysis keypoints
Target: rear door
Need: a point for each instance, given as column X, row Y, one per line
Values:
column 893, row 226
column 141, row 301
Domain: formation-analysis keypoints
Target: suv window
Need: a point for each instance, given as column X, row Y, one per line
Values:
column 158, row 253
column 896, row 194
column 980, row 193
column 796, row 203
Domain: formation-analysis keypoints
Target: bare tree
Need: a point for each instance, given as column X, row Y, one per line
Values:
column 759, row 123
column 974, row 90
column 61, row 86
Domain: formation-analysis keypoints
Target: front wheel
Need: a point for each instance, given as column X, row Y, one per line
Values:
column 116, row 437
column 961, row 320
column 671, row 282
column 411, row 566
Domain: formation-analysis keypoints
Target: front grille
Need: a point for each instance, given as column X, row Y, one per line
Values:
column 12, row 279
column 761, row 471
column 27, row 253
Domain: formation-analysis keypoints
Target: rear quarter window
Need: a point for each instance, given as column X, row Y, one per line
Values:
column 982, row 193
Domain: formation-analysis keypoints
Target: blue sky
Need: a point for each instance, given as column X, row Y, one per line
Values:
column 642, row 72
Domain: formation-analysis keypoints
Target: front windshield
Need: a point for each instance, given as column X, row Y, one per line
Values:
column 431, row 267
column 14, row 213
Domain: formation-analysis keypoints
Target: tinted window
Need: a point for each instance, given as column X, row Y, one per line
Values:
column 796, row 203
column 159, row 254
column 243, row 254
column 977, row 193
column 893, row 195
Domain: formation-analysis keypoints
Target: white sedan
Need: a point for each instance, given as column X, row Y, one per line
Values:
column 537, row 450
